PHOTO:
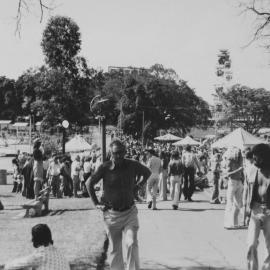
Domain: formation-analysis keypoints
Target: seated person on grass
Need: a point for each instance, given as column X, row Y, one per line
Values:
column 46, row 256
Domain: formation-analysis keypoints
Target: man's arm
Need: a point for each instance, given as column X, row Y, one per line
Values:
column 31, row 261
column 228, row 173
column 143, row 171
column 92, row 181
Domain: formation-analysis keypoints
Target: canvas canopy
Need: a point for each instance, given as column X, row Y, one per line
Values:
column 264, row 130
column 77, row 144
column 168, row 137
column 187, row 141
column 238, row 138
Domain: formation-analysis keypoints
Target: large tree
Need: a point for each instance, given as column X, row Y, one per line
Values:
column 246, row 107
column 61, row 43
column 64, row 86
column 158, row 99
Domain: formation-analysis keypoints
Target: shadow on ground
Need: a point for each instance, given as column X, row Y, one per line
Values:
column 200, row 209
column 6, row 196
column 160, row 266
column 185, row 209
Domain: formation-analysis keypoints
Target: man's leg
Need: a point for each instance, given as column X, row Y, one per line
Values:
column 215, row 194
column 266, row 232
column 131, row 240
column 252, row 242
column 172, row 187
column 154, row 192
column 132, row 248
column 177, row 184
column 52, row 183
column 228, row 219
column 149, row 187
column 163, row 185
column 191, row 183
column 160, row 185
column 37, row 188
column 185, row 187
column 165, row 182
column 15, row 185
column 115, row 255
column 238, row 202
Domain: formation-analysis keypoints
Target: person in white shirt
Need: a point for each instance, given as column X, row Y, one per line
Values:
column 155, row 166
column 53, row 174
column 45, row 257
column 75, row 173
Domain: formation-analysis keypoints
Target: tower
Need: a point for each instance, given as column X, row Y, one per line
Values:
column 223, row 83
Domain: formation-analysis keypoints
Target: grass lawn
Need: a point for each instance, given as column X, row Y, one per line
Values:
column 77, row 229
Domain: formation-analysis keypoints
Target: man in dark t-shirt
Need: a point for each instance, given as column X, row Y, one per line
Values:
column 117, row 203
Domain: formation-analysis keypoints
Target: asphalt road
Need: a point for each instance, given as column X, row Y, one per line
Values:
column 191, row 237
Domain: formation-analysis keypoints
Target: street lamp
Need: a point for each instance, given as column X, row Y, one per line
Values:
column 30, row 130
column 97, row 101
column 143, row 128
column 65, row 125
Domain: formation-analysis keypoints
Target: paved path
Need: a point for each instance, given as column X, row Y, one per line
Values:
column 192, row 237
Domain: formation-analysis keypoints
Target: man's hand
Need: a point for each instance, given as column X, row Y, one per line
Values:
column 101, row 207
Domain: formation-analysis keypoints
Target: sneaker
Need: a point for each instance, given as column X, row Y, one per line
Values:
column 175, row 207
column 150, row 205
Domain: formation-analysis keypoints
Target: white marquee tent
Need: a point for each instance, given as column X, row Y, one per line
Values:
column 77, row 144
column 187, row 141
column 238, row 138
column 168, row 137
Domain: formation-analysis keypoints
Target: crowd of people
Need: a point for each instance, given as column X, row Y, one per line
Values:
column 65, row 177
column 158, row 172
column 174, row 172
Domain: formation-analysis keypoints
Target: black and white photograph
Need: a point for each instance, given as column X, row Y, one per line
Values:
column 135, row 135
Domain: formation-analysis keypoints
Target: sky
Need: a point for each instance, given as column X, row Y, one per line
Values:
column 185, row 35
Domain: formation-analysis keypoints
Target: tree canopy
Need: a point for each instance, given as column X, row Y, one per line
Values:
column 64, row 86
column 158, row 98
column 246, row 107
column 61, row 43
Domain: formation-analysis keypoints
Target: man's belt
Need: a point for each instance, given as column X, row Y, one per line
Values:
column 121, row 209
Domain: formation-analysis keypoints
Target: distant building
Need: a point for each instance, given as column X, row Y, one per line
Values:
column 127, row 70
column 20, row 128
column 4, row 124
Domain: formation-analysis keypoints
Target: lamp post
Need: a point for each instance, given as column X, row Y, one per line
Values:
column 65, row 125
column 30, row 133
column 97, row 101
column 142, row 128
